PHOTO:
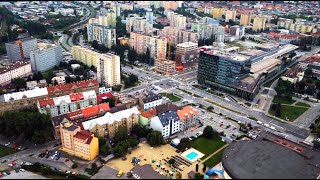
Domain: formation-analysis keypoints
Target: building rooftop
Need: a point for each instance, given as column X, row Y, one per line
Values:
column 149, row 114
column 152, row 97
column 186, row 111
column 70, row 86
column 10, row 67
column 293, row 72
column 166, row 117
column 270, row 158
column 36, row 92
column 146, row 172
column 166, row 107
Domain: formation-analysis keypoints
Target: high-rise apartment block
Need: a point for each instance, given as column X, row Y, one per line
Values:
column 141, row 41
column 45, row 59
column 218, row 12
column 178, row 20
column 187, row 54
column 180, row 36
column 138, row 24
column 19, row 50
column 230, row 15
column 108, row 65
column 18, row 69
column 108, row 20
column 259, row 23
column 149, row 16
column 78, row 142
column 104, row 34
column 206, row 31
column 245, row 19
column 237, row 30
column 173, row 5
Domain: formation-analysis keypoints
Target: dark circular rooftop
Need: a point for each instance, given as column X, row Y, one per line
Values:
column 259, row 159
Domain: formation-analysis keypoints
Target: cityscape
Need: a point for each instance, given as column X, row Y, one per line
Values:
column 159, row 90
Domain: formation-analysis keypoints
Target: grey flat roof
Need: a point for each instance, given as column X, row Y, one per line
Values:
column 261, row 159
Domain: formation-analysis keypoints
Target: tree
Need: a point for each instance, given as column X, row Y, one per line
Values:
column 74, row 165
column 171, row 161
column 19, row 82
column 184, row 143
column 178, row 175
column 140, row 131
column 121, row 134
column 94, row 166
column 197, row 167
column 208, row 132
column 155, row 138
column 110, row 100
column 132, row 55
column 119, row 151
column 210, row 108
column 133, row 142
column 198, row 176
column 204, row 168
column 308, row 72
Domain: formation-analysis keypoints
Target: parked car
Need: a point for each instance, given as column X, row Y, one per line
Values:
column 22, row 170
column 7, row 144
column 120, row 173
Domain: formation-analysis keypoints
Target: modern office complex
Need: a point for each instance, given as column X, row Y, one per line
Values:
column 187, row 54
column 239, row 73
column 141, row 41
column 45, row 59
column 20, row 50
column 104, row 34
column 138, row 24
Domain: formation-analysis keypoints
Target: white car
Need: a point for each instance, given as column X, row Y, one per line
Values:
column 266, row 125
column 7, row 144
column 259, row 122
column 52, row 157
column 22, row 170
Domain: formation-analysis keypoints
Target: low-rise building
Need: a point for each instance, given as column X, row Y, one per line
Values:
column 150, row 101
column 146, row 116
column 109, row 124
column 165, row 66
column 188, row 117
column 78, row 142
column 167, row 123
column 294, row 75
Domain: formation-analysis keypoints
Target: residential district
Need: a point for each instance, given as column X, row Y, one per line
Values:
column 159, row 89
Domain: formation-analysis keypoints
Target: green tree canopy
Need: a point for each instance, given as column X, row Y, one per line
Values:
column 208, row 132
column 155, row 138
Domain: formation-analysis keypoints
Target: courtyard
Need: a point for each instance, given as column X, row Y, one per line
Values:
column 156, row 156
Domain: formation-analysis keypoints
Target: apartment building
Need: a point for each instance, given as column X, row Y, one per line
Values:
column 259, row 23
column 18, row 69
column 149, row 16
column 138, row 24
column 218, row 12
column 108, row 69
column 164, row 66
column 209, row 20
column 108, row 20
column 78, row 142
column 173, row 5
column 300, row 26
column 186, row 54
column 206, row 31
column 45, row 59
column 168, row 123
column 110, row 123
column 245, row 19
column 180, row 36
column 150, row 101
column 104, row 34
column 237, row 30
column 141, row 41
column 189, row 117
column 75, row 87
column 230, row 15
column 108, row 65
column 20, row 50
column 208, row 10
column 178, row 21
column 63, row 104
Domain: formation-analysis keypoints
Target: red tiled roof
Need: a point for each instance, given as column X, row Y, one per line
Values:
column 75, row 85
column 76, row 96
column 90, row 111
column 104, row 106
column 186, row 111
column 102, row 96
column 45, row 102
column 75, row 115
column 311, row 59
column 83, row 135
column 149, row 114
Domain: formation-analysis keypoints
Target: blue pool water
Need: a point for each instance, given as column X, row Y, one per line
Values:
column 191, row 155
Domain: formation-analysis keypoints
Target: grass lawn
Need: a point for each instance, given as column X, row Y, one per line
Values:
column 207, row 146
column 214, row 160
column 281, row 100
column 172, row 97
column 199, row 87
column 4, row 151
column 189, row 92
column 291, row 112
column 302, row 104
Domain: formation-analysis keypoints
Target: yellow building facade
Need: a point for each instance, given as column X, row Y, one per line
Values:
column 259, row 23
column 217, row 13
column 245, row 19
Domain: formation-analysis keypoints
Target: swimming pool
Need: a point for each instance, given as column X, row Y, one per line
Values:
column 192, row 155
